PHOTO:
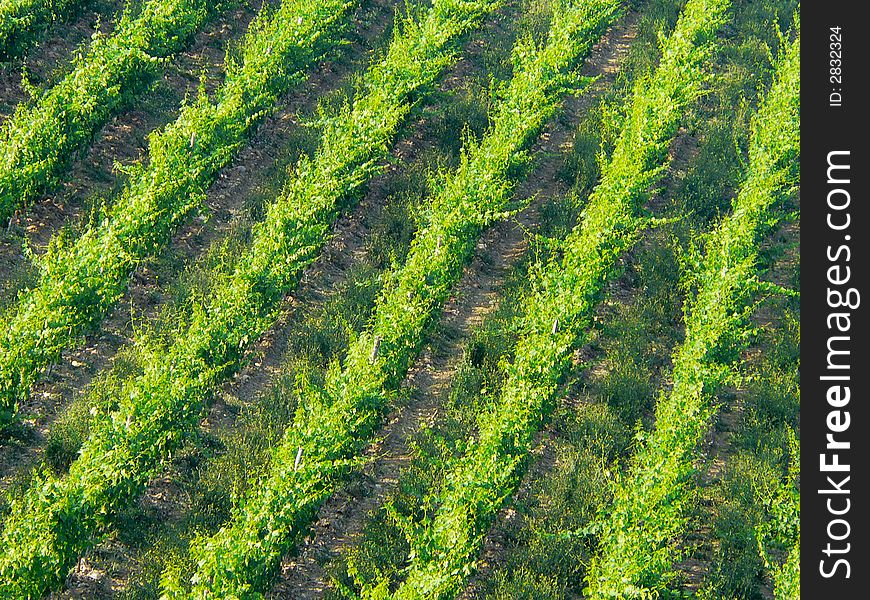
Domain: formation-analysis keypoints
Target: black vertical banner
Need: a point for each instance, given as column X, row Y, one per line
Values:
column 835, row 368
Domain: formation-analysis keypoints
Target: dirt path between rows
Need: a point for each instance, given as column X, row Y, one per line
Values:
column 43, row 65
column 345, row 249
column 122, row 139
column 605, row 62
column 342, row 518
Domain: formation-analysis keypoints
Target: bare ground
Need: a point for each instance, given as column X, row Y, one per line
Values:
column 342, row 517
column 122, row 140
column 497, row 543
column 106, row 570
column 328, row 272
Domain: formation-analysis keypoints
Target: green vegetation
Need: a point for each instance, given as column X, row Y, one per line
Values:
column 81, row 280
column 637, row 531
column 37, row 142
column 217, row 469
column 335, row 422
column 355, row 390
column 781, row 534
column 558, row 311
column 21, row 21
column 756, row 501
column 57, row 519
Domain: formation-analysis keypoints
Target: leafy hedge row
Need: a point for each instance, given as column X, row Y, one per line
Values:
column 334, row 424
column 780, row 535
column 638, row 531
column 36, row 143
column 81, row 281
column 57, row 519
column 558, row 311
column 21, row 21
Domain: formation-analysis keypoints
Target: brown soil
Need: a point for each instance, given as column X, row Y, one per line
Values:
column 342, row 517
column 701, row 542
column 498, row 542
column 122, row 140
column 106, row 570
column 44, row 64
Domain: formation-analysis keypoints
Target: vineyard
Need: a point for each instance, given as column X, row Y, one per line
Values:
column 480, row 299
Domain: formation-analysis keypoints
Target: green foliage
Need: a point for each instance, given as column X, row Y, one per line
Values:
column 648, row 512
column 656, row 19
column 290, row 450
column 82, row 279
column 597, row 134
column 558, row 311
column 66, row 437
column 58, row 518
column 546, row 544
column 722, row 122
column 22, row 21
column 528, row 584
column 334, row 423
column 704, row 193
column 215, row 469
column 463, row 116
column 758, row 461
column 39, row 140
column 780, row 535
column 582, row 165
column 383, row 550
column 388, row 242
column 377, row 559
column 736, row 568
column 637, row 335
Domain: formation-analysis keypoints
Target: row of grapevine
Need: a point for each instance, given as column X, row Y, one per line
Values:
column 56, row 519
column 36, row 143
column 21, row 21
column 648, row 512
column 335, row 423
column 79, row 282
column 780, row 535
column 558, row 311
